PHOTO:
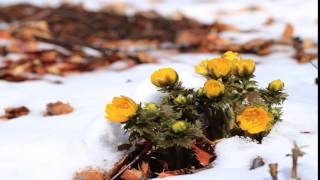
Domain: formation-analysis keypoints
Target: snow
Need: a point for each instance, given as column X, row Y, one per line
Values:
column 37, row 147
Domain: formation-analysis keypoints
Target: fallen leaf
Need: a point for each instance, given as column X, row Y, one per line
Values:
column 58, row 108
column 167, row 174
column 176, row 172
column 131, row 174
column 308, row 43
column 90, row 174
column 30, row 29
column 269, row 21
column 189, row 38
column 5, row 34
column 14, row 112
column 287, row 33
column 222, row 27
column 117, row 166
column 304, row 57
column 202, row 156
column 117, row 7
column 145, row 168
column 18, row 46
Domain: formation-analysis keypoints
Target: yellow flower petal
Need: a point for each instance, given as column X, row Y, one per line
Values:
column 213, row 88
column 164, row 77
column 202, row 68
column 121, row 109
column 245, row 67
column 254, row 120
column 219, row 67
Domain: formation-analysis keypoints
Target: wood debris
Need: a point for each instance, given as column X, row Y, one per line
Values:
column 273, row 169
column 296, row 153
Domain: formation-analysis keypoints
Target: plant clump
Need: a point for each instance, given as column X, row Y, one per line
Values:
column 180, row 132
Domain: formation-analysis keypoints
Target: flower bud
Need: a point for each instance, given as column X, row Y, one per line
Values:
column 230, row 55
column 179, row 126
column 151, row 106
column 202, row 68
column 276, row 85
column 245, row 67
column 219, row 67
column 180, row 99
column 275, row 112
column 213, row 88
column 164, row 77
column 200, row 91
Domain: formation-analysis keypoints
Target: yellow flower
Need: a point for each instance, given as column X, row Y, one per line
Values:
column 245, row 67
column 179, row 126
column 121, row 109
column 164, row 77
column 254, row 119
column 213, row 88
column 180, row 99
column 151, row 106
column 231, row 55
column 219, row 67
column 276, row 85
column 202, row 68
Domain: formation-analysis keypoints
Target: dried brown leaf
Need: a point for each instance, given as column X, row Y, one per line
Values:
column 287, row 33
column 269, row 21
column 167, row 174
column 176, row 172
column 202, row 156
column 221, row 27
column 5, row 34
column 28, row 30
column 14, row 112
column 90, row 174
column 117, row 7
column 131, row 174
column 189, row 37
column 18, row 46
column 145, row 168
column 58, row 108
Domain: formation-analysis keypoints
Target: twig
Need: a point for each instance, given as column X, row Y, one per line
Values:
column 145, row 151
column 296, row 152
column 313, row 64
column 212, row 143
column 273, row 169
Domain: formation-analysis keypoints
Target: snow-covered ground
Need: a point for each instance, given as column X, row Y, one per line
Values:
column 34, row 147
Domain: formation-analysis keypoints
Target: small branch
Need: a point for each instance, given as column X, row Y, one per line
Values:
column 313, row 64
column 296, row 152
column 212, row 143
column 145, row 151
column 273, row 169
